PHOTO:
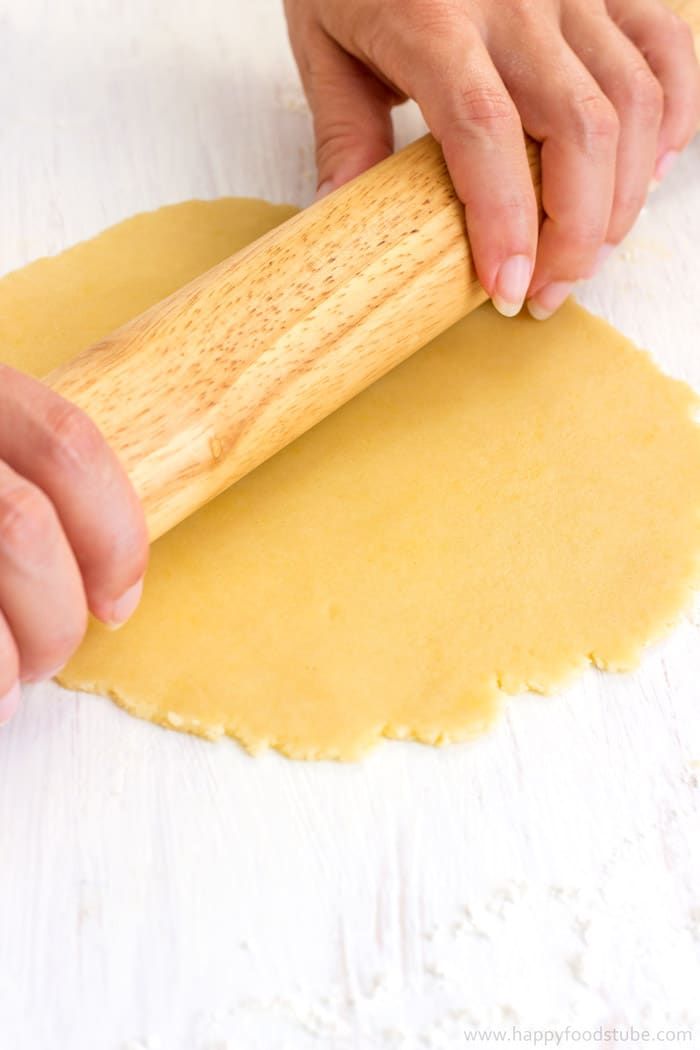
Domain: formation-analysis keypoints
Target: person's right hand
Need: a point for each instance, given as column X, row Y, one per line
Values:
column 610, row 88
column 72, row 534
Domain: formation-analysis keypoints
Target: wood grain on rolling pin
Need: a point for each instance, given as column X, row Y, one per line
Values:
column 211, row 382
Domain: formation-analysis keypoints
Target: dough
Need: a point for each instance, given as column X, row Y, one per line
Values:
column 515, row 502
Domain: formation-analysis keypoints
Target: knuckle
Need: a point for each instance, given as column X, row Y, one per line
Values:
column 74, row 442
column 27, row 521
column 484, row 105
column 527, row 12
column 377, row 36
column 484, row 110
column 336, row 137
column 401, row 37
column 595, row 122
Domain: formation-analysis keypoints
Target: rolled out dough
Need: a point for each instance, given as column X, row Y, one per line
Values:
column 516, row 501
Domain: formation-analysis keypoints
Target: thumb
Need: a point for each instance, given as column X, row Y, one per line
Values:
column 352, row 117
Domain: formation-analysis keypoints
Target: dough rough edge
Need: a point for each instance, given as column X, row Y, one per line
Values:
column 207, row 220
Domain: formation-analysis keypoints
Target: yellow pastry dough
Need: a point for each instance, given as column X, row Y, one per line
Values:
column 514, row 502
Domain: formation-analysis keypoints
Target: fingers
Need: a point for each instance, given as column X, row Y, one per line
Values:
column 666, row 43
column 611, row 92
column 469, row 111
column 627, row 81
column 41, row 592
column 444, row 65
column 577, row 125
column 57, row 449
column 351, row 111
column 70, row 526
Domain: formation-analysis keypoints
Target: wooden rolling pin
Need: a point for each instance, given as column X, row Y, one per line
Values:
column 208, row 384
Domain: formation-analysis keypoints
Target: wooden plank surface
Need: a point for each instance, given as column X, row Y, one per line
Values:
column 161, row 892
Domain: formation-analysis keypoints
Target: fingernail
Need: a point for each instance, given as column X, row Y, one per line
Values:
column 548, row 299
column 9, row 704
column 601, row 257
column 664, row 165
column 324, row 189
column 512, row 284
column 126, row 605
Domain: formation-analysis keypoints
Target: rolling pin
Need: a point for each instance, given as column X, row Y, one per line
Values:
column 209, row 383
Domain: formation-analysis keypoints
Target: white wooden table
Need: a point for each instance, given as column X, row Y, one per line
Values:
column 161, row 892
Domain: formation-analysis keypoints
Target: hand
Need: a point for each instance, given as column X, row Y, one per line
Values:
column 612, row 91
column 72, row 533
